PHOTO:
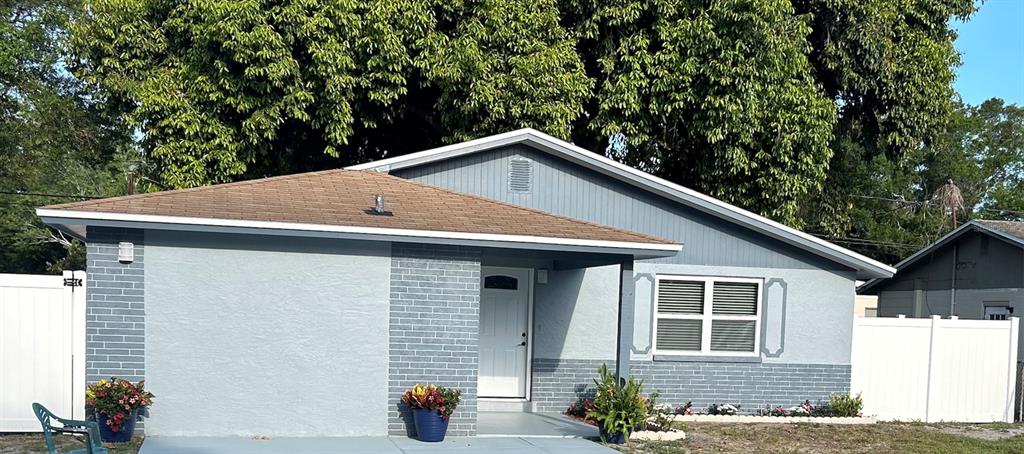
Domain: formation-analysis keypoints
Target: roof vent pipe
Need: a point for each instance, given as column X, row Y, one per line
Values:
column 378, row 204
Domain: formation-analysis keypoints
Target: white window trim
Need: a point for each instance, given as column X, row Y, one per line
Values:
column 707, row 317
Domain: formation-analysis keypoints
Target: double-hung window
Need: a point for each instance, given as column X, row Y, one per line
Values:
column 707, row 316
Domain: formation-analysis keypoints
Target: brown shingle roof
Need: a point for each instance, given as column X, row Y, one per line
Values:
column 345, row 198
column 1012, row 228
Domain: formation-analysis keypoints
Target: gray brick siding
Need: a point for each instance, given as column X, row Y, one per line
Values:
column 115, row 315
column 115, row 307
column 433, row 335
column 556, row 383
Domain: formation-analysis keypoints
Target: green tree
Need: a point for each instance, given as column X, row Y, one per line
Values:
column 54, row 137
column 798, row 109
column 718, row 96
column 236, row 89
column 894, row 210
column 889, row 67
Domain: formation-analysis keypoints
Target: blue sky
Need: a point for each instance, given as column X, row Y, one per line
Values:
column 992, row 49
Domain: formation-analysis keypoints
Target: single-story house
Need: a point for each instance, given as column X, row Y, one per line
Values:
column 974, row 272
column 510, row 266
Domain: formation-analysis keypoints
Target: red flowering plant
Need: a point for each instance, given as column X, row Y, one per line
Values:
column 117, row 398
column 432, row 397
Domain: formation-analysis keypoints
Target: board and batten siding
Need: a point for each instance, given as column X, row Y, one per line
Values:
column 260, row 335
column 807, row 303
column 562, row 187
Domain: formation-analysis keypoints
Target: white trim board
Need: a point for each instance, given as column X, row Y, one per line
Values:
column 866, row 267
column 66, row 217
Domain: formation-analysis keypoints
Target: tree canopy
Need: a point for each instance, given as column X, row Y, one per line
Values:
column 837, row 116
column 55, row 138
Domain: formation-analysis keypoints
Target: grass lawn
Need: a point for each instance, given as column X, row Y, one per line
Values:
column 33, row 443
column 819, row 438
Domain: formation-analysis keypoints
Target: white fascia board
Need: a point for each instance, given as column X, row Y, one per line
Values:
column 640, row 250
column 871, row 268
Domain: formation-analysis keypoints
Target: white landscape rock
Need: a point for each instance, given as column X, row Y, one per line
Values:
column 774, row 419
column 671, row 435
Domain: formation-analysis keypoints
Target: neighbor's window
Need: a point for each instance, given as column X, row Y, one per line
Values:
column 707, row 316
column 999, row 312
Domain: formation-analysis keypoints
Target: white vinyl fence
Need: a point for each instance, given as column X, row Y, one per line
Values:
column 42, row 348
column 933, row 369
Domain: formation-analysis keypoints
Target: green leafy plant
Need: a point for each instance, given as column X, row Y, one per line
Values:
column 432, row 397
column 619, row 405
column 845, row 404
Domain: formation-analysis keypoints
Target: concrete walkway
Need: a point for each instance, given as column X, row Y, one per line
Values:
column 531, row 425
column 369, row 445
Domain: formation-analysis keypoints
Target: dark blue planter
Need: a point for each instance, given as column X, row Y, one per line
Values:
column 615, row 439
column 430, row 426
column 122, row 436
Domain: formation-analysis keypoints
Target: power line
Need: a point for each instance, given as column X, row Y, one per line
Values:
column 42, row 194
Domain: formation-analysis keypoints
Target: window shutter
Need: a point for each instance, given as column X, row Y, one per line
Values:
column 732, row 335
column 679, row 334
column 734, row 298
column 681, row 297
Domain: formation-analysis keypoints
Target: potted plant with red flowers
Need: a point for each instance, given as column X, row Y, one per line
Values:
column 432, row 407
column 116, row 403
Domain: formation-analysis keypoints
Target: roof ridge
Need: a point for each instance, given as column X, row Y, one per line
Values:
column 208, row 187
column 519, row 207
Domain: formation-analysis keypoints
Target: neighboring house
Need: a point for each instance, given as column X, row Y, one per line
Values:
column 510, row 266
column 975, row 271
column 865, row 306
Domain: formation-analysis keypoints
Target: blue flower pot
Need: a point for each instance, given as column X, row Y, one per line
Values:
column 121, row 436
column 430, row 426
column 612, row 438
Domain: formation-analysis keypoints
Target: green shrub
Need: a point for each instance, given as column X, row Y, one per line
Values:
column 845, row 405
column 619, row 405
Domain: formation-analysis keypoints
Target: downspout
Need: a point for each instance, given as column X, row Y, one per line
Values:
column 952, row 287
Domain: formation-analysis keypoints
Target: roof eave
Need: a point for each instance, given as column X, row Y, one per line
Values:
column 74, row 220
column 866, row 268
column 969, row 226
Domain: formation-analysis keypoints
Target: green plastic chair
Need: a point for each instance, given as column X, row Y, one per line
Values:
column 91, row 431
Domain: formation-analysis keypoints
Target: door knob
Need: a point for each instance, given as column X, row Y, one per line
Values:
column 522, row 344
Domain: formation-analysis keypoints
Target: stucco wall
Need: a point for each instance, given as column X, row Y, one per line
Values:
column 806, row 314
column 250, row 335
column 576, row 314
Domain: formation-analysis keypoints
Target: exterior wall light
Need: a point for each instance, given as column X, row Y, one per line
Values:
column 125, row 252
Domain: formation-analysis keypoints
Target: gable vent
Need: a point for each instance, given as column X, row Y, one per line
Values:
column 520, row 175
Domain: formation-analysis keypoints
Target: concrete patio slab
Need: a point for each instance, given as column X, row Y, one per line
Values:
column 532, row 425
column 369, row 445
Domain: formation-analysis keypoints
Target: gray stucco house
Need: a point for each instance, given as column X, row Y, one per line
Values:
column 975, row 272
column 510, row 266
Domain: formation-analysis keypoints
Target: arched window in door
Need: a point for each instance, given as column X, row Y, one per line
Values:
column 500, row 282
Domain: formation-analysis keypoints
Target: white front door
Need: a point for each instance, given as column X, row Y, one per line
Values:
column 504, row 322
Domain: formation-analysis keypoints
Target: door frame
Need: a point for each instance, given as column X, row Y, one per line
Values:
column 530, row 279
